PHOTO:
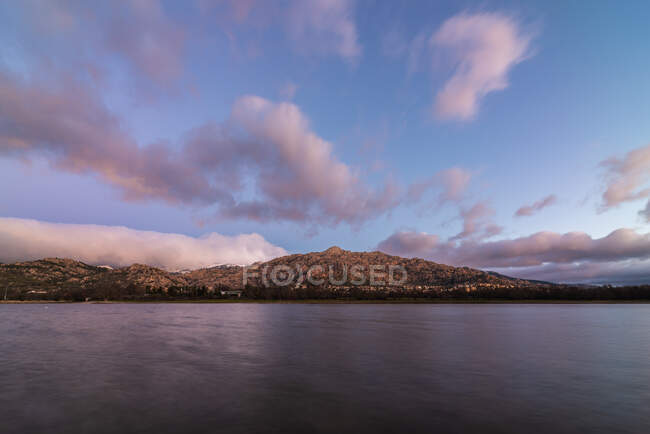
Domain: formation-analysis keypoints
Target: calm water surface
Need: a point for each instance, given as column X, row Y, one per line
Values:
column 249, row 368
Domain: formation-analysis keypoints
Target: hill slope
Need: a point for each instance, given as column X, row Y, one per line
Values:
column 419, row 272
column 70, row 278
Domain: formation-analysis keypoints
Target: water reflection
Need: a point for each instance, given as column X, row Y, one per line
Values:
column 323, row 368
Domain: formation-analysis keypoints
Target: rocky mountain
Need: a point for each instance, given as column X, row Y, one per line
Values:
column 49, row 273
column 54, row 276
column 420, row 273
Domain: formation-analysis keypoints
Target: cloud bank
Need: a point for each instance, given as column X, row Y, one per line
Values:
column 484, row 47
column 574, row 256
column 119, row 246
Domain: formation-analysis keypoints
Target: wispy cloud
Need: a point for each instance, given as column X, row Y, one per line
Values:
column 529, row 210
column 323, row 27
column 326, row 26
column 627, row 178
column 139, row 33
column 483, row 47
column 477, row 222
column 452, row 187
column 24, row 240
column 452, row 184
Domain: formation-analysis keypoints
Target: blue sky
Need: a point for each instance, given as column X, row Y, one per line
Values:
column 558, row 88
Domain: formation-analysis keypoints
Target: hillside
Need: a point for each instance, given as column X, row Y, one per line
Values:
column 67, row 278
column 420, row 273
column 49, row 274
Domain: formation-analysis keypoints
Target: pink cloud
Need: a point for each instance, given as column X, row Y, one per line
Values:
column 529, row 210
column 70, row 126
column 143, row 33
column 627, row 177
column 298, row 176
column 484, row 48
column 410, row 244
column 452, row 183
column 477, row 222
column 626, row 272
column 295, row 174
column 140, row 33
column 528, row 256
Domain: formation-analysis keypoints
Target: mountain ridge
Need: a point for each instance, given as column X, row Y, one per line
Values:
column 64, row 275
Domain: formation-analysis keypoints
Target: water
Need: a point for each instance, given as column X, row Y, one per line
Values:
column 249, row 368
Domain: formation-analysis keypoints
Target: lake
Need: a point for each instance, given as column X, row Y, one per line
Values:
column 249, row 368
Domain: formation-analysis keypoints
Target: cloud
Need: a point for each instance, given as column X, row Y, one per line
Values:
column 452, row 182
column 69, row 126
column 452, row 185
column 268, row 146
column 529, row 210
column 311, row 26
column 645, row 212
column 529, row 256
column 410, row 244
column 627, row 272
column 82, row 35
column 143, row 33
column 484, row 48
column 298, row 177
column 24, row 240
column 325, row 26
column 627, row 178
column 477, row 222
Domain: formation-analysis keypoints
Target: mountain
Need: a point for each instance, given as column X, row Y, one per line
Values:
column 420, row 273
column 49, row 273
column 70, row 278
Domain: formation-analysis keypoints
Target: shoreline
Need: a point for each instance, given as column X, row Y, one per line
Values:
column 316, row 301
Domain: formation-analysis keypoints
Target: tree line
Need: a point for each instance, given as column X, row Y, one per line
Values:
column 134, row 292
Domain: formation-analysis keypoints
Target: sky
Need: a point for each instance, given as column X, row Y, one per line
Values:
column 506, row 136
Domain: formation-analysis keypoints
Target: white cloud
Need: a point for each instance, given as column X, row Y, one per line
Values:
column 23, row 239
column 484, row 47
